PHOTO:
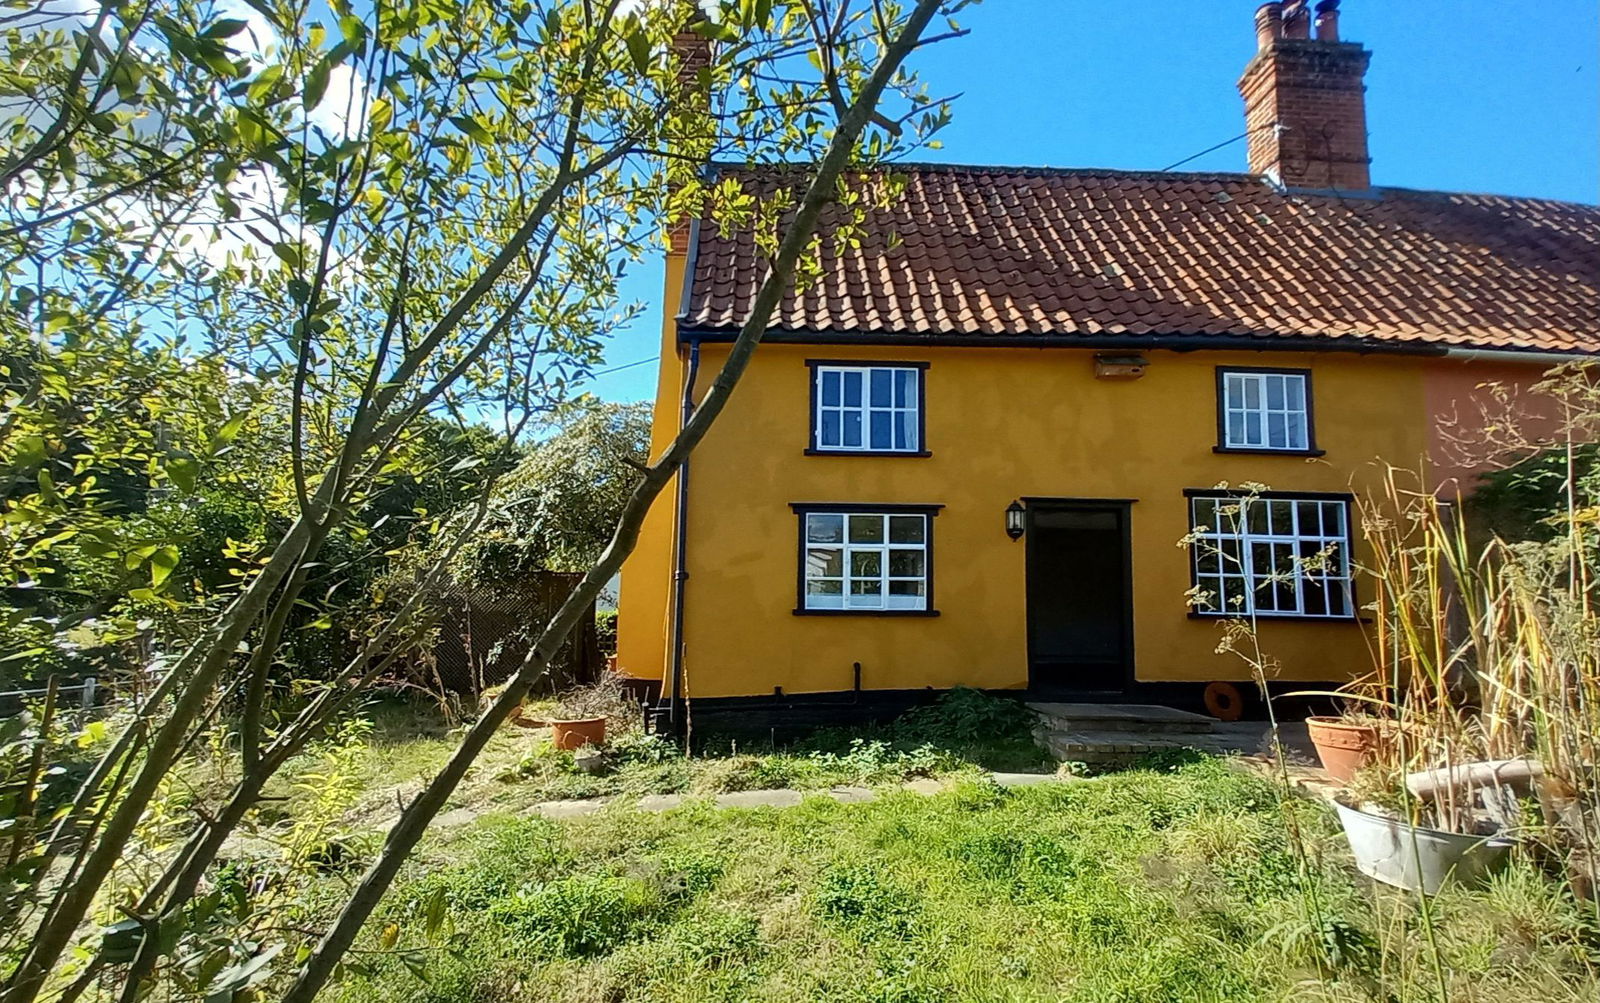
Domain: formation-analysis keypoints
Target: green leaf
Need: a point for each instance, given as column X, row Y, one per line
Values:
column 225, row 28
column 229, row 431
column 289, row 254
column 472, row 127
column 381, row 114
column 264, row 83
column 162, row 562
column 244, row 974
column 316, row 84
column 638, row 47
column 183, row 471
column 354, row 31
column 435, row 913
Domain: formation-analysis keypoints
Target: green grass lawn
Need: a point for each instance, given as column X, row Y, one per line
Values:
column 1173, row 884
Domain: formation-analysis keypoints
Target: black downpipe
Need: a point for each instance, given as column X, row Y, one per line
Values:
column 680, row 571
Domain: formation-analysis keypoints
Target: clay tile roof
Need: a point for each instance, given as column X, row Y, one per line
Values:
column 990, row 252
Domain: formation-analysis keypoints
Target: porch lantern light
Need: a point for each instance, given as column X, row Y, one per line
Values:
column 1016, row 517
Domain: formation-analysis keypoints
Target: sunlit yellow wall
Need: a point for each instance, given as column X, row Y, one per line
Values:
column 1001, row 424
column 645, row 601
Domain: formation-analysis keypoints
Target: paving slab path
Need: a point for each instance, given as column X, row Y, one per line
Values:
column 781, row 797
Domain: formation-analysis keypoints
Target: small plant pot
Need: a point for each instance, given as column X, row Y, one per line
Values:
column 1417, row 858
column 577, row 733
column 1343, row 746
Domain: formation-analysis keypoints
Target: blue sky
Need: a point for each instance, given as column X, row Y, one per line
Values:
column 1462, row 95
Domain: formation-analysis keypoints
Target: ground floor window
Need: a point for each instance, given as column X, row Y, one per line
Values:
column 1271, row 555
column 866, row 559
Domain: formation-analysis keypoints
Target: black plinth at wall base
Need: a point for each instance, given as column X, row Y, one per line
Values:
column 794, row 714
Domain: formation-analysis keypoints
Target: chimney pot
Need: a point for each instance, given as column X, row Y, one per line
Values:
column 1296, row 20
column 1328, row 21
column 1269, row 24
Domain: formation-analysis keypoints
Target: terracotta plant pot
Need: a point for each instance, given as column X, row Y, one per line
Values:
column 578, row 733
column 1343, row 746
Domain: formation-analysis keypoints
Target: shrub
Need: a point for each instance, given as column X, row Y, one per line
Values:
column 963, row 716
column 605, row 631
column 582, row 916
column 868, row 905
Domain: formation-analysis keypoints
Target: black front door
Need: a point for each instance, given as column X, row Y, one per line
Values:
column 1080, row 599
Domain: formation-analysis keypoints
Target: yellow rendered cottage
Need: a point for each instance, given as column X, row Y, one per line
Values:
column 967, row 455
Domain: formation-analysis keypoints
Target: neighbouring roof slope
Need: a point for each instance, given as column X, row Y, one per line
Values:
column 1062, row 254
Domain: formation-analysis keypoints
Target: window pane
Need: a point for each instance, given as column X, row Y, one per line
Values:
column 825, row 563
column 1204, row 512
column 1310, row 525
column 852, row 428
column 906, row 528
column 1333, row 519
column 1232, row 551
column 1252, row 391
column 1236, row 428
column 829, row 433
column 866, row 587
column 881, row 436
column 904, row 430
column 1275, row 392
column 824, row 527
column 1339, row 598
column 852, row 389
column 905, row 563
column 866, row 529
column 881, row 394
column 904, row 389
column 866, row 564
column 1314, row 596
column 1261, row 561
column 1252, row 429
column 1255, row 516
column 1233, row 391
column 1283, row 595
column 824, row 587
column 1281, row 515
column 1297, row 432
column 830, row 389
column 833, row 599
column 908, row 588
column 1277, row 431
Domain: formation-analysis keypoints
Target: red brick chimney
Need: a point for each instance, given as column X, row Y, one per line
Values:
column 1304, row 101
column 691, row 51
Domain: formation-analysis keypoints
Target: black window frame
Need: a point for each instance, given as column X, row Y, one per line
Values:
column 803, row 509
column 1222, row 446
column 813, row 449
column 1344, row 497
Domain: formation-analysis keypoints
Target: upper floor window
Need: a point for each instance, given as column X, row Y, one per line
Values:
column 1264, row 410
column 867, row 407
column 866, row 558
column 1271, row 555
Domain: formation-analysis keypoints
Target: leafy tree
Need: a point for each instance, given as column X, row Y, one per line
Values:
column 557, row 508
column 351, row 223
